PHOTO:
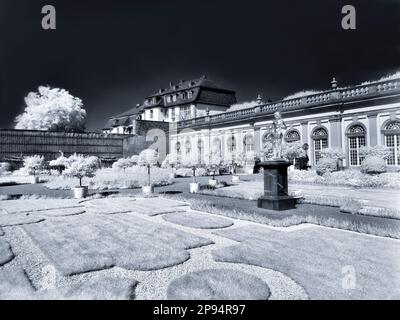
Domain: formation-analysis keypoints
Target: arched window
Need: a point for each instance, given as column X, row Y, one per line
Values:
column 188, row 146
column 248, row 142
column 292, row 136
column 320, row 137
column 231, row 143
column 356, row 139
column 178, row 148
column 200, row 150
column 392, row 141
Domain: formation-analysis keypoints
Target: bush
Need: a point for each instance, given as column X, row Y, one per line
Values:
column 170, row 161
column 148, row 157
column 292, row 150
column 33, row 164
column 5, row 168
column 333, row 153
column 188, row 172
column 373, row 164
column 382, row 152
column 326, row 165
column 123, row 164
column 110, row 179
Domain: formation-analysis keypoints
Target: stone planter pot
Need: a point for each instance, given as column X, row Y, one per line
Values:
column 212, row 182
column 34, row 179
column 235, row 179
column 147, row 190
column 194, row 187
column 81, row 192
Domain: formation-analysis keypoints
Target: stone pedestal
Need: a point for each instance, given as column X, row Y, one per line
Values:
column 276, row 186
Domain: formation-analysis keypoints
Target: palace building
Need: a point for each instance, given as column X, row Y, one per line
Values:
column 181, row 101
column 200, row 125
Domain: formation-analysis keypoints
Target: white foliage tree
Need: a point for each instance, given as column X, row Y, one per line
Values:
column 148, row 157
column 33, row 164
column 52, row 109
column 80, row 166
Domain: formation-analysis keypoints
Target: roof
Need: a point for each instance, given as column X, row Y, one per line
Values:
column 183, row 85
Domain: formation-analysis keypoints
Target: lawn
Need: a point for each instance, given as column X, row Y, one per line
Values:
column 135, row 248
column 321, row 260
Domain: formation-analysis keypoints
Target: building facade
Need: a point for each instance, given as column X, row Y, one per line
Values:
column 346, row 118
column 200, row 126
column 182, row 101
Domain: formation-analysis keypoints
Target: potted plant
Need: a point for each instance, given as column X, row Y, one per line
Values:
column 216, row 161
column 149, row 188
column 33, row 165
column 194, row 186
column 79, row 167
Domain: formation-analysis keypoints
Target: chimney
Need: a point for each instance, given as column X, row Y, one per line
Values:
column 334, row 83
column 259, row 99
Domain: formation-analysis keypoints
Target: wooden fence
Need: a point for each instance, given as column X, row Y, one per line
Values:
column 15, row 144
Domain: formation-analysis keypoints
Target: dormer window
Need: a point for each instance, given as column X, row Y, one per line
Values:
column 168, row 99
column 190, row 94
column 174, row 98
column 154, row 100
column 183, row 96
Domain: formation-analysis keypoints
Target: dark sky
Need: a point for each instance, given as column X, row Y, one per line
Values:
column 112, row 54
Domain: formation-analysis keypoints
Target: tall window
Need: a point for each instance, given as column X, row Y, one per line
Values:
column 231, row 143
column 216, row 147
column 178, row 148
column 320, row 137
column 151, row 114
column 356, row 138
column 188, row 147
column 185, row 113
column 292, row 136
column 200, row 150
column 392, row 141
column 248, row 142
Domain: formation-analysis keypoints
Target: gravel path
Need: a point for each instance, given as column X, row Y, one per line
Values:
column 151, row 284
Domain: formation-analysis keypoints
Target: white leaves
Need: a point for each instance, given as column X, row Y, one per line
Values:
column 33, row 164
column 148, row 157
column 52, row 109
column 79, row 166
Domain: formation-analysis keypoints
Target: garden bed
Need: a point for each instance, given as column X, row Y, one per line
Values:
column 110, row 179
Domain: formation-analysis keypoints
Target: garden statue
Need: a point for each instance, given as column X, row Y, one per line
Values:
column 276, row 196
column 278, row 128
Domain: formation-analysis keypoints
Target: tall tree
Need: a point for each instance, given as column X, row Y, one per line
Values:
column 52, row 109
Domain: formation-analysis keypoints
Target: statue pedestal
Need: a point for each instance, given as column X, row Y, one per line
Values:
column 276, row 186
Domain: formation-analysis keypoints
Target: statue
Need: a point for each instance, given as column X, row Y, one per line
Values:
column 278, row 129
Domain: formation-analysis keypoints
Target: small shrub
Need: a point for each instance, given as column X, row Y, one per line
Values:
column 380, row 151
column 148, row 157
column 326, row 165
column 333, row 153
column 123, row 164
column 373, row 164
column 33, row 164
column 292, row 150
